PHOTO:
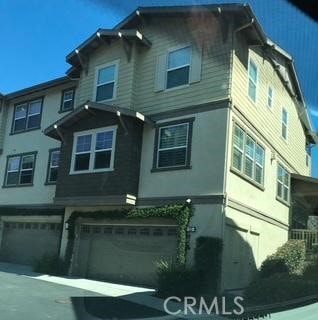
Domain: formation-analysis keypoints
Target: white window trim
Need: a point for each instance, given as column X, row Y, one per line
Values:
column 97, row 69
column 173, row 148
column 285, row 124
column 170, row 50
column 272, row 97
column 250, row 60
column 92, row 151
column 244, row 155
column 283, row 184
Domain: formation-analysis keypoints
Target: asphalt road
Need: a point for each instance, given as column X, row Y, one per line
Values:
column 25, row 298
column 30, row 299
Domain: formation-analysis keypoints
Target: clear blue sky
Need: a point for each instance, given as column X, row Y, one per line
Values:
column 37, row 35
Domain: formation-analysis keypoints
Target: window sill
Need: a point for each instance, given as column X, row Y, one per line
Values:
column 287, row 204
column 254, row 103
column 18, row 186
column 107, row 100
column 64, row 111
column 247, row 179
column 24, row 131
column 90, row 172
column 171, row 168
column 284, row 140
column 49, row 183
column 177, row 88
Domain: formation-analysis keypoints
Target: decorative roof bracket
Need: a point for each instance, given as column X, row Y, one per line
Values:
column 83, row 60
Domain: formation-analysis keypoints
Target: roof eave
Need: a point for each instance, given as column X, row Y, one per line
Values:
column 53, row 130
column 38, row 87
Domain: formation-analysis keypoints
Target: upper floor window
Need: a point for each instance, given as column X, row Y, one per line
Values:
column 94, row 150
column 283, row 180
column 178, row 68
column 284, row 123
column 106, row 78
column 248, row 156
column 20, row 170
column 173, row 146
column 54, row 160
column 27, row 116
column 252, row 80
column 67, row 102
column 270, row 97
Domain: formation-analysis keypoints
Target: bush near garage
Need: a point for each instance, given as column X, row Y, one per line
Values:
column 279, row 288
column 289, row 258
column 50, row 264
column 175, row 279
column 311, row 269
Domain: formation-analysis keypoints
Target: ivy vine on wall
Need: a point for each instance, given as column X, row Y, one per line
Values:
column 181, row 213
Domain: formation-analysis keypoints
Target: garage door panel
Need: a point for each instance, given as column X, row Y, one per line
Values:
column 24, row 243
column 124, row 253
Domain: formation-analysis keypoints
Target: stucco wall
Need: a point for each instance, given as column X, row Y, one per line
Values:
column 207, row 160
column 30, row 141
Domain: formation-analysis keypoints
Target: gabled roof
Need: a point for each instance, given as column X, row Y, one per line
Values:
column 100, row 37
column 38, row 87
column 54, row 130
column 244, row 14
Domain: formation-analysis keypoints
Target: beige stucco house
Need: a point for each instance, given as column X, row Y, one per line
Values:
column 173, row 103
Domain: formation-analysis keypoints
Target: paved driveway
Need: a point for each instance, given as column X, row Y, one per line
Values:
column 24, row 297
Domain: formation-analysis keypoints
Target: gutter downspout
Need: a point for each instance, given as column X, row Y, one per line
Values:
column 228, row 124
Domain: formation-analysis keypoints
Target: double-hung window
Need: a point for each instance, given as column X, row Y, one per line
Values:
column 284, row 123
column 270, row 94
column 178, row 68
column 20, row 170
column 252, row 80
column 106, row 78
column 94, row 150
column 283, row 180
column 173, row 145
column 248, row 156
column 27, row 116
column 53, row 166
column 67, row 102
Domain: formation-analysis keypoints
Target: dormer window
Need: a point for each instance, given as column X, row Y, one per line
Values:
column 106, row 81
column 178, row 69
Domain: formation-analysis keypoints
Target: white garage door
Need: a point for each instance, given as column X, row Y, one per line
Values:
column 25, row 242
column 123, row 253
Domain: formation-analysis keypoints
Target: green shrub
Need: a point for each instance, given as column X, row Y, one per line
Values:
column 50, row 264
column 272, row 266
column 176, row 280
column 208, row 262
column 279, row 288
column 292, row 254
column 315, row 249
column 311, row 270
